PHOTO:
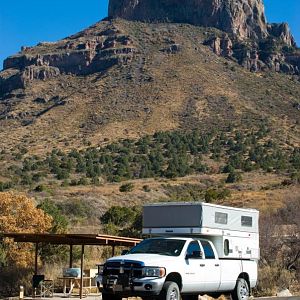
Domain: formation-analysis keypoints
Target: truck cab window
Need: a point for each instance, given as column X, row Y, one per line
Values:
column 193, row 250
column 208, row 251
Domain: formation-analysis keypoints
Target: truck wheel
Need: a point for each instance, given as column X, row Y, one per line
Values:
column 241, row 291
column 110, row 297
column 170, row 291
column 189, row 297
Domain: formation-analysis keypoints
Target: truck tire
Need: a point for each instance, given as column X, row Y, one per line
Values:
column 190, row 297
column 170, row 291
column 241, row 291
column 110, row 297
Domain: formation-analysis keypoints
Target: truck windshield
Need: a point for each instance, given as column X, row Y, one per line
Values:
column 168, row 247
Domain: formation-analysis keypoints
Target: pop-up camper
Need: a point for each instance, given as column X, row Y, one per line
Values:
column 234, row 231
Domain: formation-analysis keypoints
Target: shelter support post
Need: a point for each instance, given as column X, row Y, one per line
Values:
column 36, row 258
column 81, row 271
column 113, row 250
column 71, row 257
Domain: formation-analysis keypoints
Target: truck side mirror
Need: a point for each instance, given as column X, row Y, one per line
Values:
column 124, row 252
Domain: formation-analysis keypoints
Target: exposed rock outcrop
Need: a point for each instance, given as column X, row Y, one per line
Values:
column 267, row 54
column 221, row 46
column 81, row 56
column 243, row 18
column 283, row 33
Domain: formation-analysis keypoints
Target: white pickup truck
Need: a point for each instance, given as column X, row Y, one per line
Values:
column 171, row 267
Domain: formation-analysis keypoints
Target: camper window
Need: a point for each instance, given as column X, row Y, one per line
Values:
column 246, row 221
column 221, row 218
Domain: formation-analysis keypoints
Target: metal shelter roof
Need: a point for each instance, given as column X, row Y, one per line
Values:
column 72, row 239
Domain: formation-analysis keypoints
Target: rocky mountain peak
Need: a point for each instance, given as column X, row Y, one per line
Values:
column 244, row 18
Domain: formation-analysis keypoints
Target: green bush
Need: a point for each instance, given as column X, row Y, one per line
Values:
column 40, row 188
column 146, row 188
column 212, row 195
column 5, row 186
column 122, row 220
column 233, row 177
column 59, row 222
column 120, row 216
column 127, row 187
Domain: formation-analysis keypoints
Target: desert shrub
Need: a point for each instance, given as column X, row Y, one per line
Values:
column 54, row 253
column 127, row 187
column 40, row 188
column 228, row 169
column 83, row 181
column 76, row 209
column 5, row 186
column 272, row 279
column 212, row 195
column 62, row 174
column 119, row 216
column 184, row 192
column 59, row 220
column 122, row 221
column 295, row 177
column 146, row 188
column 233, row 177
column 18, row 214
column 280, row 243
column 11, row 278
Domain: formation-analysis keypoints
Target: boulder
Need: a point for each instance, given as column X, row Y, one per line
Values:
column 284, row 293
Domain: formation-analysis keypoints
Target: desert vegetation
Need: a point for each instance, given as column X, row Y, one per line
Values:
column 164, row 157
column 280, row 252
column 164, row 154
column 18, row 213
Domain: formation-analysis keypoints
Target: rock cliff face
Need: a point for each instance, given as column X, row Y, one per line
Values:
column 244, row 18
column 275, row 53
column 79, row 55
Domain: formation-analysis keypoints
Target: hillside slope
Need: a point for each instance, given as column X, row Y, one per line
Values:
column 145, row 78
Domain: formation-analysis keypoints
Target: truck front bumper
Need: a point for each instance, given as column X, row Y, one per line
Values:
column 125, row 286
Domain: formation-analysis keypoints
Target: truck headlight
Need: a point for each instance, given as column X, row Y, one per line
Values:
column 154, row 272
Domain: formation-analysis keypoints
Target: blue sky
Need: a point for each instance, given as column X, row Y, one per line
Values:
column 27, row 22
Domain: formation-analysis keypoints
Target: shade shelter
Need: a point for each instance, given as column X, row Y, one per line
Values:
column 71, row 240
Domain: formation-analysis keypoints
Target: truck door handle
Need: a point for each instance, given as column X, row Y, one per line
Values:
column 202, row 265
column 217, row 265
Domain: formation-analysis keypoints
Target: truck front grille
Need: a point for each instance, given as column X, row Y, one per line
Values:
column 129, row 268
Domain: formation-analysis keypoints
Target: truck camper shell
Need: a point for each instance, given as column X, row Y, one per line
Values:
column 234, row 231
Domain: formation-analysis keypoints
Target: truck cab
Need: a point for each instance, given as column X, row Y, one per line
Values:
column 190, row 266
